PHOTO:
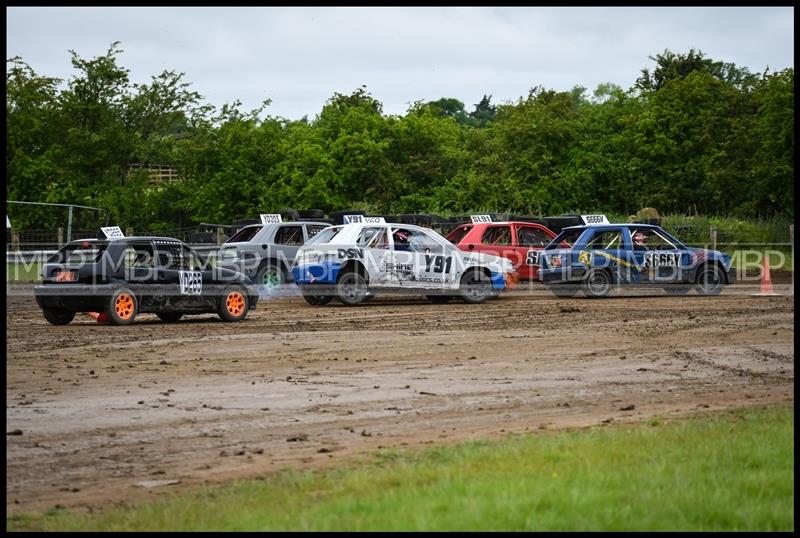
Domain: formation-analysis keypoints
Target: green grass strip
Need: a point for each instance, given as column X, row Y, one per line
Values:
column 729, row 470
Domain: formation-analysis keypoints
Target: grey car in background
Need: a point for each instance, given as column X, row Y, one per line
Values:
column 265, row 252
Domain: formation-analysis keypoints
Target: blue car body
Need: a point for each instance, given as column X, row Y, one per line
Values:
column 610, row 248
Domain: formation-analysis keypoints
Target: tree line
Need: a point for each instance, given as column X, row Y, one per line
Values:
column 692, row 135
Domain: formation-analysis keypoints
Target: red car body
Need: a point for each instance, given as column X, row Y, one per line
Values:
column 520, row 242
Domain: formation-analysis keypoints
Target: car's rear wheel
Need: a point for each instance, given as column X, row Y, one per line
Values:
column 58, row 316
column 597, row 284
column 475, row 287
column 169, row 317
column 233, row 304
column 122, row 307
column 351, row 288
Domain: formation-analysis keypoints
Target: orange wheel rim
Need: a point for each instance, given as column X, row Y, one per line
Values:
column 123, row 305
column 235, row 303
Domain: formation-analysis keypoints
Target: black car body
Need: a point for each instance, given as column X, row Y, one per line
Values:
column 122, row 277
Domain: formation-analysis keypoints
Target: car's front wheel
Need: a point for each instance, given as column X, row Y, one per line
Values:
column 710, row 280
column 475, row 287
column 233, row 304
column 58, row 316
column 351, row 288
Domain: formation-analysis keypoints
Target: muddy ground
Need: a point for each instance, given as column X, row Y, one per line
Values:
column 102, row 409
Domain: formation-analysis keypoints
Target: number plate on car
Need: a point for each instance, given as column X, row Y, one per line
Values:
column 66, row 276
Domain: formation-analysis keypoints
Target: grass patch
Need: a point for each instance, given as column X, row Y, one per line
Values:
column 23, row 272
column 729, row 470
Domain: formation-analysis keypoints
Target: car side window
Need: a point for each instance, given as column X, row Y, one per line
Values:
column 605, row 240
column 140, row 256
column 170, row 256
column 528, row 236
column 497, row 235
column 407, row 239
column 314, row 229
column 289, row 235
column 373, row 238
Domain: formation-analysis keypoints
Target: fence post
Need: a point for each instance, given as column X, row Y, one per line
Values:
column 713, row 233
column 60, row 236
column 219, row 235
column 69, row 226
column 128, row 232
column 15, row 239
column 791, row 234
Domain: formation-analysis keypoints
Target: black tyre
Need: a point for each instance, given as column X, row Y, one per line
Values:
column 311, row 213
column 475, row 287
column 270, row 277
column 289, row 214
column 122, row 307
column 710, row 280
column 233, row 304
column 57, row 316
column 351, row 288
column 439, row 299
column 169, row 317
column 597, row 284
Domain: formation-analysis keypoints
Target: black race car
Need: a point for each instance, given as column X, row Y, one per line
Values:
column 122, row 277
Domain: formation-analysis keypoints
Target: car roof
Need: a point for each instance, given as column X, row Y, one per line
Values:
column 131, row 238
column 288, row 222
column 503, row 222
column 611, row 225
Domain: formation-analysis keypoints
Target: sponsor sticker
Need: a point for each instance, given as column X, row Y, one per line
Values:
column 191, row 282
column 594, row 219
column 361, row 219
column 112, row 232
column 532, row 257
column 585, row 257
column 270, row 218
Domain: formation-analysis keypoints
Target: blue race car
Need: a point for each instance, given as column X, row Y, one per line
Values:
column 596, row 257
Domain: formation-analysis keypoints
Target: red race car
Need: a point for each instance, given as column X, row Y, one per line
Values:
column 520, row 242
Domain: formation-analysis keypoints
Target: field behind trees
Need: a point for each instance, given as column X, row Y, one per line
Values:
column 693, row 135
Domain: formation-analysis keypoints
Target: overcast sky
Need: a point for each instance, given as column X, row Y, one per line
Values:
column 299, row 57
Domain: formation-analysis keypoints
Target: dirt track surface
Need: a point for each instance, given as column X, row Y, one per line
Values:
column 103, row 408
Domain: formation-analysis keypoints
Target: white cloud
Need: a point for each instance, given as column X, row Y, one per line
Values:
column 299, row 56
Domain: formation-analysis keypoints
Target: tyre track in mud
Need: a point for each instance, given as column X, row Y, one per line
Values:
column 102, row 408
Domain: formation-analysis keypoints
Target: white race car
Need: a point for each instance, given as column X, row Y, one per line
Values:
column 353, row 261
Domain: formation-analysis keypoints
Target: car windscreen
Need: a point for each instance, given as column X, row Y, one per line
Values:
column 325, row 236
column 565, row 239
column 245, row 234
column 79, row 253
column 458, row 234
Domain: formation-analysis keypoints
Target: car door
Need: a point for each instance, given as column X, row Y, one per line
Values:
column 375, row 247
column 529, row 241
column 424, row 262
column 178, row 281
column 497, row 240
column 287, row 240
column 661, row 258
column 606, row 249
column 139, row 270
